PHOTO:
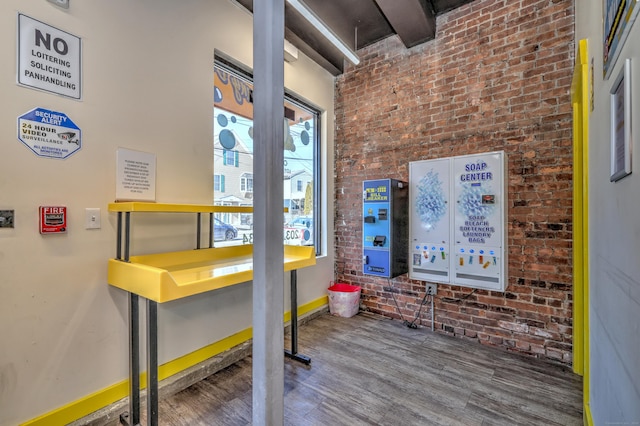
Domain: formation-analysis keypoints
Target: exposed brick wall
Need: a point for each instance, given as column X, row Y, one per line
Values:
column 497, row 77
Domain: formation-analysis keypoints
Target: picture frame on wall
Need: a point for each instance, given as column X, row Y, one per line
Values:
column 621, row 130
column 619, row 16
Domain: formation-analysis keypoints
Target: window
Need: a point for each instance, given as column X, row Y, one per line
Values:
column 218, row 183
column 246, row 182
column 230, row 158
column 233, row 146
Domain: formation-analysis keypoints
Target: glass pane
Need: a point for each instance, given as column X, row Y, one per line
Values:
column 233, row 158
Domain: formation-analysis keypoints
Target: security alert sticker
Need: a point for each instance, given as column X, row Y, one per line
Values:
column 49, row 133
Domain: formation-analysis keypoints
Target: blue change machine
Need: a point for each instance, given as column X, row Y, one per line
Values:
column 385, row 227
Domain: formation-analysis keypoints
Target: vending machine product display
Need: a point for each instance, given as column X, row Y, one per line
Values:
column 384, row 227
column 430, row 220
column 458, row 220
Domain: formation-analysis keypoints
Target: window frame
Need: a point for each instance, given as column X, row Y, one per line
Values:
column 245, row 178
column 229, row 65
column 220, row 182
column 233, row 161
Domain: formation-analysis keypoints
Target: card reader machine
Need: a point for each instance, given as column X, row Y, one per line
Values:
column 384, row 227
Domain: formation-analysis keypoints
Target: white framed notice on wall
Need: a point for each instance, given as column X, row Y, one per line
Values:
column 621, row 130
column 135, row 175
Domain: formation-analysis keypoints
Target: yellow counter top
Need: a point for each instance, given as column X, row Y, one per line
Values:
column 169, row 276
column 138, row 206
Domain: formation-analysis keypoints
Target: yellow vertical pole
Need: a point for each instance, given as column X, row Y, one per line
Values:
column 580, row 94
column 577, row 89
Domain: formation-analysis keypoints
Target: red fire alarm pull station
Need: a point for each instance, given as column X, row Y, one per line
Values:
column 53, row 220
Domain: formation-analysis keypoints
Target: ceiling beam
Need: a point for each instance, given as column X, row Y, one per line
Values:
column 413, row 20
column 443, row 6
column 329, row 59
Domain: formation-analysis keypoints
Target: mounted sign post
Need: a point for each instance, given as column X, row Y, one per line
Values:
column 48, row 58
column 49, row 133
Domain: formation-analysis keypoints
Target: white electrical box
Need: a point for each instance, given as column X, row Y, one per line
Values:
column 457, row 221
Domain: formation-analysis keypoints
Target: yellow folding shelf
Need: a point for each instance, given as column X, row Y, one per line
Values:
column 169, row 276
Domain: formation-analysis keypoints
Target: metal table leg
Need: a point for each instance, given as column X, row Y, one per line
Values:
column 133, row 416
column 293, row 353
column 199, row 229
column 152, row 363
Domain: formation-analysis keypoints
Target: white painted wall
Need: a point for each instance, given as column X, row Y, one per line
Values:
column 614, row 233
column 148, row 86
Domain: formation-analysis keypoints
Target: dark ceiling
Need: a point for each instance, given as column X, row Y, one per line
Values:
column 360, row 23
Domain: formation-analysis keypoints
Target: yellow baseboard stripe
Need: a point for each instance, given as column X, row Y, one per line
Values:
column 82, row 407
column 313, row 305
column 107, row 396
column 196, row 357
column 586, row 416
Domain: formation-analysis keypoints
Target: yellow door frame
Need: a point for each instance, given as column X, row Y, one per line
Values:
column 580, row 99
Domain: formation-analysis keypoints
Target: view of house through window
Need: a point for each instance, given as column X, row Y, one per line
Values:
column 233, row 163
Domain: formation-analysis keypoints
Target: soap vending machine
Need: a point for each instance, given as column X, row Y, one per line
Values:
column 430, row 220
column 384, row 227
column 458, row 220
column 480, row 220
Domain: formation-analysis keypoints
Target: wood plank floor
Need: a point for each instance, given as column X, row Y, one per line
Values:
column 369, row 370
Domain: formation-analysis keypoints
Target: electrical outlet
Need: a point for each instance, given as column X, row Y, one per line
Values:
column 431, row 289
